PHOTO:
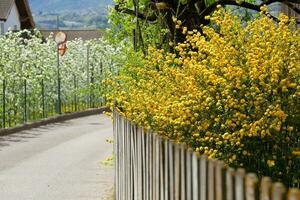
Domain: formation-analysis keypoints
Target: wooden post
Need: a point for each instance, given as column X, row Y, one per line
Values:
column 123, row 159
column 143, row 164
column 265, row 188
column 230, row 184
column 129, row 163
column 239, row 184
column 294, row 194
column 147, row 166
column 124, row 156
column 183, row 172
column 154, row 166
column 119, row 158
column 251, row 187
column 139, row 160
column 219, row 180
column 177, row 172
column 171, row 170
column 135, row 162
column 157, row 165
column 116, row 149
column 166, row 169
column 189, row 174
column 150, row 195
column 278, row 191
column 161, row 169
column 203, row 177
column 195, row 176
column 211, row 179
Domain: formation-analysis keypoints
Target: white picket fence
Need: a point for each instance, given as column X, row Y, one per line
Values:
column 150, row 167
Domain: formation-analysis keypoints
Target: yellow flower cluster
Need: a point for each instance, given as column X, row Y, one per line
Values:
column 232, row 93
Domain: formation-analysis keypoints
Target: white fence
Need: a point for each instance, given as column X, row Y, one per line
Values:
column 150, row 167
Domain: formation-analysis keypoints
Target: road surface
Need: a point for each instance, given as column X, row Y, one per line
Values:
column 61, row 161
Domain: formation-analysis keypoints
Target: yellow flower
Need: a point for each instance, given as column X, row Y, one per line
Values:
column 271, row 163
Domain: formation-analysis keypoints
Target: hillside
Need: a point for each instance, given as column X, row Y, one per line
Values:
column 73, row 14
column 67, row 5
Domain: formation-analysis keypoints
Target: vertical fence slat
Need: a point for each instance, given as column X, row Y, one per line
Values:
column 176, row 172
column 150, row 195
column 219, row 180
column 157, row 165
column 147, row 165
column 143, row 164
column 128, row 171
column 182, row 172
column 125, row 159
column 278, row 191
column 116, row 143
column 166, row 168
column 139, row 159
column 154, row 166
column 294, row 194
column 251, row 187
column 230, row 184
column 171, row 169
column 239, row 184
column 135, row 163
column 122, row 160
column 195, row 175
column 203, row 177
column 265, row 188
column 161, row 169
column 189, row 174
column 211, row 179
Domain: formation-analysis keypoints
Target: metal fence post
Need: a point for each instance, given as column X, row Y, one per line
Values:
column 88, row 76
column 4, row 103
column 25, row 101
column 75, row 93
column 58, row 110
column 43, row 98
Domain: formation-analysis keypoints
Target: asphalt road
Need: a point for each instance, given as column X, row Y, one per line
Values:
column 61, row 161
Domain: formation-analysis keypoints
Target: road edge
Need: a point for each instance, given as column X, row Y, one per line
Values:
column 51, row 120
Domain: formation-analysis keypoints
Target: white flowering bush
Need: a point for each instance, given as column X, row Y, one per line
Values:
column 28, row 76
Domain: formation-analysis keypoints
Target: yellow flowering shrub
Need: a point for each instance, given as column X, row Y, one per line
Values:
column 232, row 93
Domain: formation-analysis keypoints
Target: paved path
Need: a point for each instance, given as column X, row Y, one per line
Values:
column 58, row 162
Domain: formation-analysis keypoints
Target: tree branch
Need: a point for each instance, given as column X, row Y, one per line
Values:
column 292, row 6
column 133, row 13
column 243, row 4
column 250, row 6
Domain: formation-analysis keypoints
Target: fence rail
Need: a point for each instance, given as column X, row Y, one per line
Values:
column 150, row 167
